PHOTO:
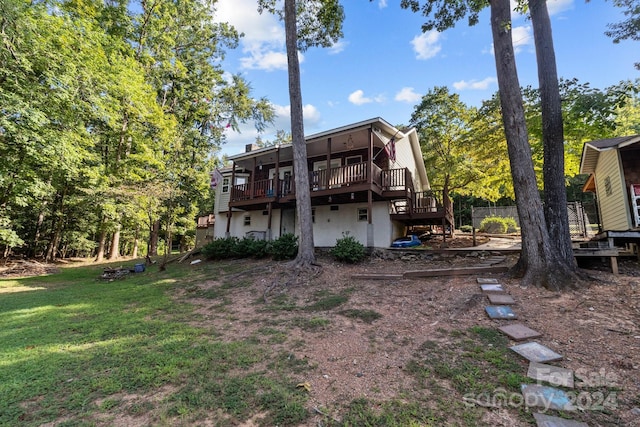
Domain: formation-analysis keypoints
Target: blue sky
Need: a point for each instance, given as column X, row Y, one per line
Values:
column 384, row 63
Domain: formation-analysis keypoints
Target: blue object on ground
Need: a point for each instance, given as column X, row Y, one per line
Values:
column 407, row 242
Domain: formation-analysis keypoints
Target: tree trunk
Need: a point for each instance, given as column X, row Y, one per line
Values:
column 136, row 240
column 102, row 241
column 114, row 252
column 555, row 193
column 306, row 255
column 538, row 264
column 153, row 238
column 36, row 238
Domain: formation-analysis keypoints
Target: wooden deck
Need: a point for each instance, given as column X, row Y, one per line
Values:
column 352, row 184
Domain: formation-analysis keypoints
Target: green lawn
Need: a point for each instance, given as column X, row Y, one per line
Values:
column 76, row 349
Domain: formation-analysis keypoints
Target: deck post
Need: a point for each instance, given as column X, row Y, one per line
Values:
column 270, row 209
column 233, row 180
column 253, row 180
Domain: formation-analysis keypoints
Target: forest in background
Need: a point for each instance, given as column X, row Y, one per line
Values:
column 111, row 114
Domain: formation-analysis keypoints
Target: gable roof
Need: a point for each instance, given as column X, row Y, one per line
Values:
column 378, row 124
column 591, row 150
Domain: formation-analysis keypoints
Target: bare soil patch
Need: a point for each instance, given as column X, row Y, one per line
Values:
column 353, row 356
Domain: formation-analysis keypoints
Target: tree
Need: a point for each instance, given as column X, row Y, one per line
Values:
column 630, row 27
column 443, row 123
column 538, row 264
column 555, row 193
column 463, row 147
column 320, row 25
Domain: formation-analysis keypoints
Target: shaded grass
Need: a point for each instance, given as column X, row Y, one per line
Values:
column 70, row 340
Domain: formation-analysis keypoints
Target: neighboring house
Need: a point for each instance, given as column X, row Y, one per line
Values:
column 366, row 179
column 205, row 230
column 613, row 166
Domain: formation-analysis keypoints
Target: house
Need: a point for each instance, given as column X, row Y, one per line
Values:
column 613, row 166
column 366, row 179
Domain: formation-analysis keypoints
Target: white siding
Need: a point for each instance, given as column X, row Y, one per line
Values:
column 328, row 227
column 405, row 159
column 614, row 207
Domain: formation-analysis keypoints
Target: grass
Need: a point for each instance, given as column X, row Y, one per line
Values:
column 73, row 345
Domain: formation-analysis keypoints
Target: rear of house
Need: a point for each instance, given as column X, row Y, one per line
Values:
column 366, row 179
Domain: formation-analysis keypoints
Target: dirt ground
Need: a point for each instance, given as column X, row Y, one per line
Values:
column 596, row 328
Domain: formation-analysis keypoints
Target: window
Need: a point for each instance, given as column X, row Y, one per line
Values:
column 353, row 160
column 334, row 207
column 225, row 185
column 363, row 214
column 607, row 186
column 313, row 215
column 247, row 220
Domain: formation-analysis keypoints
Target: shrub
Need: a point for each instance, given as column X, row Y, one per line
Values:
column 348, row 249
column 250, row 247
column 512, row 225
column 223, row 248
column 466, row 228
column 493, row 225
column 285, row 247
column 498, row 225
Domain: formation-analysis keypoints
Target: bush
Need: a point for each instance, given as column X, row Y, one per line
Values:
column 285, row 247
column 466, row 228
column 223, row 248
column 249, row 247
column 348, row 249
column 498, row 225
column 512, row 225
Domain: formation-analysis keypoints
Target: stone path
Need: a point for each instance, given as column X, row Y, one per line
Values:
column 534, row 395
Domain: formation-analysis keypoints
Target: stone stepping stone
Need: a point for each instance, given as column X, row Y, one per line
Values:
column 535, row 352
column 519, row 332
column 500, row 312
column 544, row 420
column 483, row 280
column 553, row 375
column 501, row 299
column 492, row 288
column 546, row 397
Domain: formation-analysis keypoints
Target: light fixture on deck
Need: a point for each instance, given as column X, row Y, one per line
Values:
column 353, row 196
column 329, row 199
column 260, row 165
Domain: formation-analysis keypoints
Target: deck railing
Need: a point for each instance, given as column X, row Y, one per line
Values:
column 387, row 180
column 337, row 177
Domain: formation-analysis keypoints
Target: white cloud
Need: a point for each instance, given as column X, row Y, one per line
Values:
column 310, row 114
column 521, row 36
column 268, row 61
column 264, row 38
column 474, row 84
column 407, row 94
column 382, row 4
column 358, row 98
column 426, row 44
column 557, row 6
column 337, row 47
